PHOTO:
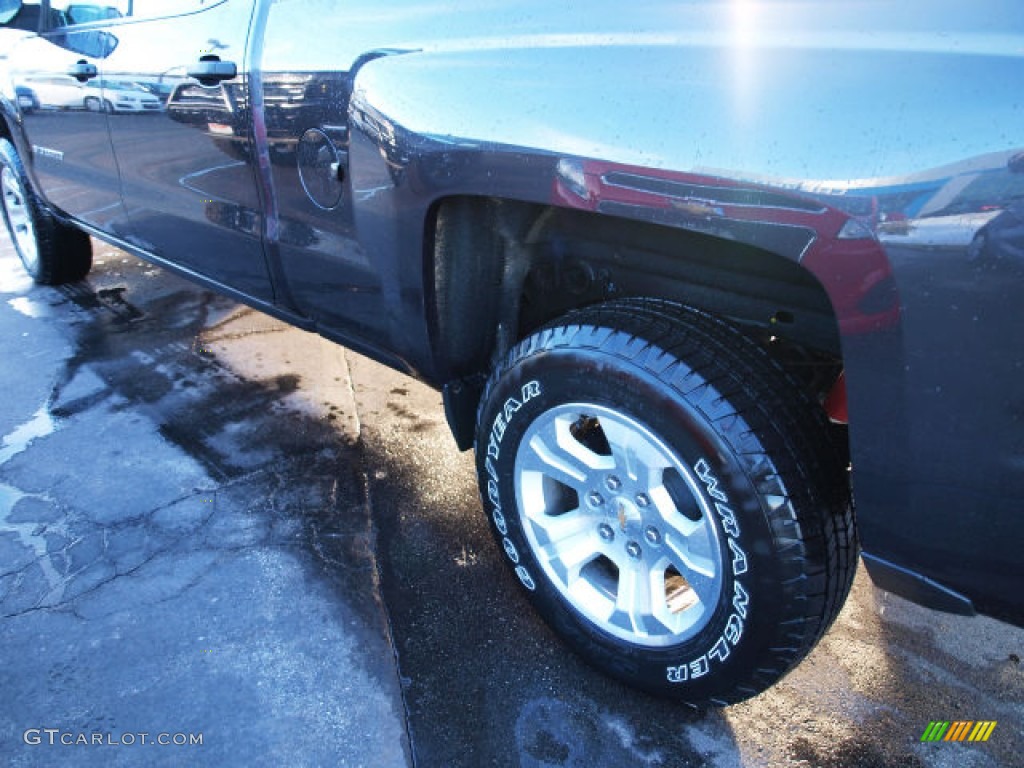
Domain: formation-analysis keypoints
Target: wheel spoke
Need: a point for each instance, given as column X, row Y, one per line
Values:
column 636, row 457
column 566, row 542
column 555, row 453
column 634, row 608
column 557, row 528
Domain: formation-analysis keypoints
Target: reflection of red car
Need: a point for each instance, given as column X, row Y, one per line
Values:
column 863, row 208
column 831, row 235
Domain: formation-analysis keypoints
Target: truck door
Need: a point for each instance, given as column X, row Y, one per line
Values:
column 179, row 123
column 56, row 77
column 302, row 95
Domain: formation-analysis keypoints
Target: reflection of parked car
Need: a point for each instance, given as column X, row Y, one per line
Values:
column 57, row 91
column 956, row 230
column 201, row 106
column 161, row 90
column 117, row 96
column 27, row 98
column 216, row 111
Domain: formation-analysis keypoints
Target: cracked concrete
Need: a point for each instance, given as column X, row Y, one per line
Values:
column 185, row 542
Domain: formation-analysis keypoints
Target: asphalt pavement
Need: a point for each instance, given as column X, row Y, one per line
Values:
column 224, row 541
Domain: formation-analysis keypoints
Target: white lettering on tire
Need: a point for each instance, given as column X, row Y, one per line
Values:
column 525, row 577
column 499, row 521
column 501, row 421
column 510, row 550
column 734, row 624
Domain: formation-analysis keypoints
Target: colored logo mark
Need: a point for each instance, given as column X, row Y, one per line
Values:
column 958, row 730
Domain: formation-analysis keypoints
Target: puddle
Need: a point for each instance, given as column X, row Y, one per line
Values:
column 111, row 299
column 29, row 307
column 33, row 538
column 40, row 425
column 8, row 498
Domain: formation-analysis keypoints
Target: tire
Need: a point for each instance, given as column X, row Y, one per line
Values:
column 669, row 499
column 51, row 252
column 92, row 104
column 108, row 106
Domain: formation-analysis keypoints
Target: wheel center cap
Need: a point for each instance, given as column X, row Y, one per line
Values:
column 628, row 515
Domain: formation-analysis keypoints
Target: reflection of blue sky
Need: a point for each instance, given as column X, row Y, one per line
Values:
column 452, row 25
column 781, row 112
column 785, row 89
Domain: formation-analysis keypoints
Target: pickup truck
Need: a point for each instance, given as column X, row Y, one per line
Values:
column 693, row 277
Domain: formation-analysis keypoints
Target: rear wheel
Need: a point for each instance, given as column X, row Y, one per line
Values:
column 669, row 499
column 51, row 252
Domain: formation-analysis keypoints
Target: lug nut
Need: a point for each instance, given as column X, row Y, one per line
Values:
column 595, row 499
column 613, row 483
column 652, row 535
column 605, row 531
column 642, row 500
column 633, row 550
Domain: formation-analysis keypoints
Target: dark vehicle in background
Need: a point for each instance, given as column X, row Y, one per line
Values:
column 161, row 89
column 686, row 276
column 26, row 98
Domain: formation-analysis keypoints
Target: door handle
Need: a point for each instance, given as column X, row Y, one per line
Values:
column 82, row 70
column 210, row 70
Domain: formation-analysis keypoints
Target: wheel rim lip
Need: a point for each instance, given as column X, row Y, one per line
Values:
column 697, row 616
column 19, row 219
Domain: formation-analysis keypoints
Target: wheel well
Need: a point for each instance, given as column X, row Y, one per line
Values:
column 527, row 264
column 501, row 269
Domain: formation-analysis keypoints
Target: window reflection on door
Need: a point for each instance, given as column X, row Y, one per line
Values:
column 55, row 75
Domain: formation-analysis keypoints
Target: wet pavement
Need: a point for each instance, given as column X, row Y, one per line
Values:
column 211, row 523
column 184, row 550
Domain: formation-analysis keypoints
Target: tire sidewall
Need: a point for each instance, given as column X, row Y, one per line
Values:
column 729, row 645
